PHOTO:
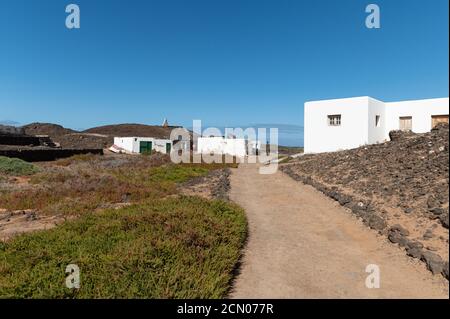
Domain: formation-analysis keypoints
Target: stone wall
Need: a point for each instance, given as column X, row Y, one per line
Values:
column 399, row 188
column 42, row 155
column 15, row 139
column 6, row 129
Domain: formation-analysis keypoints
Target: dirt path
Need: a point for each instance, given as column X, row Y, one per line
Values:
column 304, row 245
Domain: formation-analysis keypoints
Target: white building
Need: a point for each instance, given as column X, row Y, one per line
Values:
column 339, row 124
column 220, row 145
column 141, row 145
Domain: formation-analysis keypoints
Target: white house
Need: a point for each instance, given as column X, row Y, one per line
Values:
column 141, row 145
column 339, row 124
column 221, row 145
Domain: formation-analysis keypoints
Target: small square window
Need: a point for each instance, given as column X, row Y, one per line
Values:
column 334, row 120
column 377, row 120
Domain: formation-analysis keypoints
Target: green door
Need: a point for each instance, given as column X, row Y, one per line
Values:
column 168, row 147
column 145, row 147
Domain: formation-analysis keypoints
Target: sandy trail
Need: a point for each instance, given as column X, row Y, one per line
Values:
column 304, row 245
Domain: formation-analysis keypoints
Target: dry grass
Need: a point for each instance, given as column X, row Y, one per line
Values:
column 83, row 183
column 161, row 245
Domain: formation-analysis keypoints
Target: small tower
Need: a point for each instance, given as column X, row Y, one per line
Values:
column 165, row 123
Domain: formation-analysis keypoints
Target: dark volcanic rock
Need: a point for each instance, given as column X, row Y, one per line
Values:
column 437, row 211
column 434, row 262
column 400, row 229
column 408, row 210
column 414, row 252
column 377, row 223
column 445, row 270
column 415, row 244
column 398, row 238
column 397, row 135
column 432, row 202
column 221, row 189
column 428, row 234
column 444, row 220
column 409, row 174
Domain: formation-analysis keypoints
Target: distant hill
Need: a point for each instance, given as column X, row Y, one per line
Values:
column 49, row 129
column 96, row 137
column 129, row 130
column 9, row 122
column 7, row 129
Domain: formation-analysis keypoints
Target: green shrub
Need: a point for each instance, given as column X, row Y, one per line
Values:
column 15, row 166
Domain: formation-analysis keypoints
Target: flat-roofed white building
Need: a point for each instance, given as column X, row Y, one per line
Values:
column 141, row 145
column 332, row 125
column 220, row 145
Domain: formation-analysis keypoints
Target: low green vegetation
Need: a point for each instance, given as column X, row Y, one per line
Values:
column 15, row 166
column 160, row 244
column 178, row 173
column 183, row 247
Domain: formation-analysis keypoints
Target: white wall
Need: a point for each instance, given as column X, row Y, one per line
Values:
column 137, row 143
column 235, row 147
column 376, row 134
column 124, row 142
column 358, row 121
column 353, row 131
column 159, row 145
column 207, row 145
column 420, row 110
column 132, row 144
column 220, row 145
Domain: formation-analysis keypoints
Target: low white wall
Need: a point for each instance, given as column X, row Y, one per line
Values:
column 353, row 131
column 420, row 111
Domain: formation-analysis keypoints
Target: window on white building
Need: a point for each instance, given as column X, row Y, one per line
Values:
column 377, row 120
column 334, row 120
column 405, row 123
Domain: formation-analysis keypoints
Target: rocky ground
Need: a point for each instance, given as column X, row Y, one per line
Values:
column 96, row 137
column 399, row 188
column 29, row 196
column 23, row 221
column 81, row 184
column 215, row 185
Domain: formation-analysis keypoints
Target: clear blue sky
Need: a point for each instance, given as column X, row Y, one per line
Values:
column 226, row 62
